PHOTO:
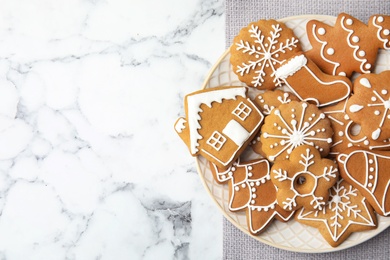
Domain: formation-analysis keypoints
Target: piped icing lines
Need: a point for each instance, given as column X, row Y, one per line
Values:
column 292, row 125
column 347, row 23
column 219, row 141
column 382, row 24
column 250, row 189
column 347, row 211
column 318, row 88
column 370, row 105
column 356, row 47
column 368, row 171
column 259, row 49
column 316, row 31
column 304, row 179
column 270, row 100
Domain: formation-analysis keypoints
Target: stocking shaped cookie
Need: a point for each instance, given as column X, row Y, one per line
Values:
column 259, row 49
column 346, row 212
column 347, row 133
column 349, row 45
column 370, row 105
column 304, row 179
column 310, row 84
column 250, row 189
column 368, row 171
column 219, row 124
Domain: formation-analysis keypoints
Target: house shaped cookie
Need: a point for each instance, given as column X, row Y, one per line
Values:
column 220, row 122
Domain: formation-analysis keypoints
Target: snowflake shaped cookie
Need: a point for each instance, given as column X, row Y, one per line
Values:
column 259, row 49
column 304, row 179
column 250, row 189
column 346, row 212
column 292, row 125
column 370, row 105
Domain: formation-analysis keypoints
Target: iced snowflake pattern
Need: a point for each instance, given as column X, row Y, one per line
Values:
column 329, row 174
column 345, row 207
column 300, row 132
column 266, row 50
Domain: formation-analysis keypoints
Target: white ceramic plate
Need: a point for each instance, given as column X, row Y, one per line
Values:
column 292, row 235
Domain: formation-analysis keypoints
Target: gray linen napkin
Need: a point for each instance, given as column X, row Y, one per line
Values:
column 236, row 244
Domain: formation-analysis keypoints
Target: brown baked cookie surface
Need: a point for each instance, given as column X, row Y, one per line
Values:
column 259, row 49
column 346, row 212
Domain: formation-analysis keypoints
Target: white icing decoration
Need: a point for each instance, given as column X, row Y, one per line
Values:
column 375, row 135
column 378, row 199
column 323, row 45
column 355, row 108
column 365, row 82
column 330, row 51
column 355, row 47
column 349, row 21
column 321, row 31
column 299, row 133
column 265, row 51
column 342, row 73
column 282, row 175
column 355, row 39
column 236, row 132
column 179, row 126
column 386, row 32
column 340, row 204
column 250, row 204
column 193, row 107
column 292, row 66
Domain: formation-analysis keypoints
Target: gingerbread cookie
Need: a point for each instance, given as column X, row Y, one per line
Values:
column 303, row 180
column 346, row 212
column 310, row 84
column 370, row 105
column 348, row 46
column 250, row 189
column 219, row 123
column 259, row 49
column 271, row 99
column 292, row 125
column 347, row 133
column 368, row 171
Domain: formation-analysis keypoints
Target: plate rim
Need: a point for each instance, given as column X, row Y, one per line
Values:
column 229, row 218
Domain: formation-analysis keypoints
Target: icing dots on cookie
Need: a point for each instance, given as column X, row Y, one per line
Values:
column 368, row 171
column 304, row 179
column 251, row 189
column 357, row 45
column 259, row 49
column 270, row 100
column 292, row 125
column 370, row 105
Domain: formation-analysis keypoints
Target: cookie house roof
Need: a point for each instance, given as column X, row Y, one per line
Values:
column 208, row 97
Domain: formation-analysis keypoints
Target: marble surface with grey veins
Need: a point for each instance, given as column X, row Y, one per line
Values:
column 90, row 166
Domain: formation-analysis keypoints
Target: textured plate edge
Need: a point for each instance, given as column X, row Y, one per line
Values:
column 245, row 231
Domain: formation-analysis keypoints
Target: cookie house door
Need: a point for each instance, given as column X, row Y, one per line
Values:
column 236, row 132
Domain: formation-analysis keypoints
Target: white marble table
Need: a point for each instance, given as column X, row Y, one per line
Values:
column 90, row 166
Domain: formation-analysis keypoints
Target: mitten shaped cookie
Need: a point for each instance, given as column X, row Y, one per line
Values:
column 310, row 84
column 370, row 105
column 259, row 49
column 348, row 46
column 219, row 124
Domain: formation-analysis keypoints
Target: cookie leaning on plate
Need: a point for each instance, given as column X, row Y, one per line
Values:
column 220, row 122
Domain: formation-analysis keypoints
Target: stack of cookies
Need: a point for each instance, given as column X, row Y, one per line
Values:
column 319, row 121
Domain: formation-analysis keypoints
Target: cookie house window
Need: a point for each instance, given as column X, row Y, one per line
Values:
column 216, row 140
column 242, row 111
